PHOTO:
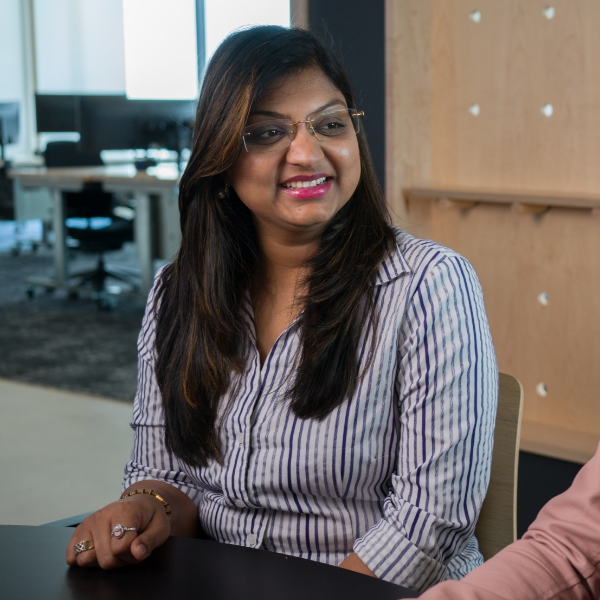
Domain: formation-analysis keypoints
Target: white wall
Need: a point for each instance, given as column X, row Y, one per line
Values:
column 11, row 51
column 79, row 46
column 12, row 69
column 221, row 17
column 160, row 49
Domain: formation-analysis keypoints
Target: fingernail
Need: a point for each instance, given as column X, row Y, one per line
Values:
column 142, row 548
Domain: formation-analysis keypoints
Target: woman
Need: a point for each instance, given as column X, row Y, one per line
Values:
column 311, row 380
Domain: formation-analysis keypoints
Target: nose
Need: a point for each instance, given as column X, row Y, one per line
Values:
column 305, row 149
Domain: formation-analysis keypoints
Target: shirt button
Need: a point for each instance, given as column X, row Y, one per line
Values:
column 240, row 439
column 251, row 539
column 240, row 503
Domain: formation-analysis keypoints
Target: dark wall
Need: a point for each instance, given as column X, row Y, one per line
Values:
column 540, row 479
column 357, row 29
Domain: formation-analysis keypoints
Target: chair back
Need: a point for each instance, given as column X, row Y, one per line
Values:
column 66, row 154
column 497, row 524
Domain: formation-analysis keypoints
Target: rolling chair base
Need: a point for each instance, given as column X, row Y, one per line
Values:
column 93, row 281
column 96, row 278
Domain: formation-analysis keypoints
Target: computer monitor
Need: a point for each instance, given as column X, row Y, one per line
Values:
column 9, row 125
column 117, row 123
column 112, row 122
column 56, row 113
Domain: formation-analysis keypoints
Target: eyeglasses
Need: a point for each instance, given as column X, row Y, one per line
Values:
column 276, row 135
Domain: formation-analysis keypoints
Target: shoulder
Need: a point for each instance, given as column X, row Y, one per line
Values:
column 420, row 259
column 422, row 253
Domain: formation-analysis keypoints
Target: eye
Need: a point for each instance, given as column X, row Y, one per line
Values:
column 331, row 125
column 264, row 134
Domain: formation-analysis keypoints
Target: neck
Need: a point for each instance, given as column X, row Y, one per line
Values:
column 284, row 256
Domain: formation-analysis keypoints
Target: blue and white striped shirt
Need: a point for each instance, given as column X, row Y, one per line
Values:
column 406, row 502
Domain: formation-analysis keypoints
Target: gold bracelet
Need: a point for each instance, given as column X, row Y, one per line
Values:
column 152, row 493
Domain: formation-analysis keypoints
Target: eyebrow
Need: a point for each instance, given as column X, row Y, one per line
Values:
column 276, row 115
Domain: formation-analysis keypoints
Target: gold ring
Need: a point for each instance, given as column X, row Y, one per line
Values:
column 83, row 546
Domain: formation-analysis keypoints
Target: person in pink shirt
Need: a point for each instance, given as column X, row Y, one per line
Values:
column 558, row 557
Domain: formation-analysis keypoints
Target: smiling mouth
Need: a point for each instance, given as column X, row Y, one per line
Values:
column 305, row 184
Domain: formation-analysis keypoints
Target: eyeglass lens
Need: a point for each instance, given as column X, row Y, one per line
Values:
column 277, row 134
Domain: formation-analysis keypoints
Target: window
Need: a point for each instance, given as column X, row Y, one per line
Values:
column 221, row 17
column 160, row 49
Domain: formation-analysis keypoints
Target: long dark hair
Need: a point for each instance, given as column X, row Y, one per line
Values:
column 201, row 337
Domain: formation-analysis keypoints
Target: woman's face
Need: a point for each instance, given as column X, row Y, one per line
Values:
column 265, row 181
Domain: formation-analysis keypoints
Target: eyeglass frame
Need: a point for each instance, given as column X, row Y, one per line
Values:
column 309, row 127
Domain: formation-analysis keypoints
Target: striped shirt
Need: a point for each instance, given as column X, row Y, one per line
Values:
column 396, row 474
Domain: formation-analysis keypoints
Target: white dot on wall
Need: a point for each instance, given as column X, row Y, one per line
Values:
column 549, row 12
column 541, row 390
column 475, row 16
column 544, row 299
column 474, row 109
column 547, row 110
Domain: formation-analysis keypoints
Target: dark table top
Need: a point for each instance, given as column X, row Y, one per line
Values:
column 32, row 566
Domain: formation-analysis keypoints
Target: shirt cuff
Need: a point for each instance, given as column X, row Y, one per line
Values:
column 392, row 557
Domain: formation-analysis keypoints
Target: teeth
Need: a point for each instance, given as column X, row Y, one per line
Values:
column 306, row 184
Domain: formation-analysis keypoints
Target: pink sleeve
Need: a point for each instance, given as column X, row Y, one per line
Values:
column 558, row 557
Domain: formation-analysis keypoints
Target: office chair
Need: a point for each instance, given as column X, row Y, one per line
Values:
column 7, row 206
column 90, row 220
column 497, row 524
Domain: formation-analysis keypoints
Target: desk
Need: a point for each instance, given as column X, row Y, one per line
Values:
column 159, row 181
column 32, row 565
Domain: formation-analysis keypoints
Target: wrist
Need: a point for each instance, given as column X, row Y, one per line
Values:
column 151, row 493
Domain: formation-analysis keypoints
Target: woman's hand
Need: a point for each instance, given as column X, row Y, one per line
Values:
column 142, row 511
column 353, row 563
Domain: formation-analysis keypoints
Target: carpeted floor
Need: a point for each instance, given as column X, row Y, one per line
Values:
column 54, row 341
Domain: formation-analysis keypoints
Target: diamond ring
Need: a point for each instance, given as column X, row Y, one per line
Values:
column 118, row 530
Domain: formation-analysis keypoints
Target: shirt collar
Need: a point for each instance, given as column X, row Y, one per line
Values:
column 393, row 265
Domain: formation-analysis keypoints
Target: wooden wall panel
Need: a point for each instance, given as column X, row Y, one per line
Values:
column 517, row 257
column 511, row 63
column 408, row 99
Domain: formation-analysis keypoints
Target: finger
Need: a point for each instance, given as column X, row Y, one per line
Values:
column 71, row 558
column 139, row 519
column 81, row 533
column 154, row 535
column 87, row 558
column 103, row 547
column 120, row 545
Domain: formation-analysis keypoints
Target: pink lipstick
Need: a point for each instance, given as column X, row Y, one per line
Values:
column 305, row 187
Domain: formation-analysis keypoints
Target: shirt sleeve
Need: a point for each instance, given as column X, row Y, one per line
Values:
column 150, row 459
column 447, row 390
column 558, row 557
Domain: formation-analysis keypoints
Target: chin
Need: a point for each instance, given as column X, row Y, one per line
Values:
column 312, row 221
column 314, row 215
